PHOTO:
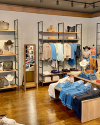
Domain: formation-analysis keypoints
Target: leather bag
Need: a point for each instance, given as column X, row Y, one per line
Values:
column 1, row 82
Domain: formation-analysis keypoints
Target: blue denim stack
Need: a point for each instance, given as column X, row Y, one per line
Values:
column 89, row 76
column 66, row 84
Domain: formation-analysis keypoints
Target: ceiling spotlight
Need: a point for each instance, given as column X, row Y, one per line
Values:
column 85, row 6
column 41, row 1
column 93, row 5
column 71, row 3
column 57, row 2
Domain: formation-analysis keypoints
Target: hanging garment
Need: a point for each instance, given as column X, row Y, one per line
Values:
column 63, row 92
column 54, row 64
column 56, row 45
column 98, row 61
column 46, row 55
column 53, row 50
column 78, row 51
column 72, row 61
column 90, row 94
column 75, row 92
column 67, row 51
column 60, row 52
column 92, row 51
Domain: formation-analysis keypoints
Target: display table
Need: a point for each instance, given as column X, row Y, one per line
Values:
column 90, row 108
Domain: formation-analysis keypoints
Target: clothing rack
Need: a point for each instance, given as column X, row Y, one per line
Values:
column 41, row 41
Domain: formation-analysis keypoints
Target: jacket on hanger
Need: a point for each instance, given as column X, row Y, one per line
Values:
column 67, row 51
column 46, row 55
column 78, row 51
column 60, row 52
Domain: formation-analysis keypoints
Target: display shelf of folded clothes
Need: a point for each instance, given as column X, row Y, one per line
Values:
column 52, row 74
column 9, row 87
column 49, row 81
column 90, row 77
column 80, row 97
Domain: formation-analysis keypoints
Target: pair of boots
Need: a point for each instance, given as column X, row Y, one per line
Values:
column 98, row 61
column 92, row 64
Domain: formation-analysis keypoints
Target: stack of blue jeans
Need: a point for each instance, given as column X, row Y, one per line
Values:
column 76, row 92
column 89, row 76
column 65, row 90
column 66, row 84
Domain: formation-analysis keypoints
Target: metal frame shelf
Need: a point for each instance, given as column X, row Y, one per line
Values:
column 16, row 55
column 41, row 40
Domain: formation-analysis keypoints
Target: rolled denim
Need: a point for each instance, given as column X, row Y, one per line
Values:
column 63, row 92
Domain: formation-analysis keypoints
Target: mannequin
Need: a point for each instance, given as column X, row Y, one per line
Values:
column 86, row 53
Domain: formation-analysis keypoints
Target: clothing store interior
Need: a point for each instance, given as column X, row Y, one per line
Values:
column 49, row 62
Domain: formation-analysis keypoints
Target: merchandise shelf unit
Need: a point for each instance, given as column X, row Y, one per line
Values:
column 16, row 55
column 41, row 41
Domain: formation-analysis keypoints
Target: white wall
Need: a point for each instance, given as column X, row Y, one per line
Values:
column 28, row 29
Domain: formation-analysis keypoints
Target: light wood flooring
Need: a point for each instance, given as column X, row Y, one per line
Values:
column 35, row 107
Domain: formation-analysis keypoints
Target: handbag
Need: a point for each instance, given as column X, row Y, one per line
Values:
column 71, row 29
column 1, row 82
column 7, row 65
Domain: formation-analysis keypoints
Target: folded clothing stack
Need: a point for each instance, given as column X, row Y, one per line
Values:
column 54, row 71
column 65, row 70
column 47, row 79
column 73, row 69
column 89, row 94
column 55, row 78
column 89, row 76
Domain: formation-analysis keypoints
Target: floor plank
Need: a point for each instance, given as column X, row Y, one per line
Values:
column 35, row 107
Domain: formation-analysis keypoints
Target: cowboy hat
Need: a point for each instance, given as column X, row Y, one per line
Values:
column 9, row 42
column 84, row 63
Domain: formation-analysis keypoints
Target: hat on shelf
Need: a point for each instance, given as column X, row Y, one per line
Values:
column 9, row 42
column 84, row 62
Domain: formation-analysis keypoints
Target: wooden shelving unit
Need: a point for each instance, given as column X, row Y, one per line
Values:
column 16, row 60
column 8, row 30
column 61, row 32
column 54, row 74
column 9, row 55
column 49, row 81
column 9, row 87
column 61, row 37
column 14, row 70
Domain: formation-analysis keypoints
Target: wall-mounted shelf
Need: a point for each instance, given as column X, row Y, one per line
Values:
column 8, row 30
column 14, row 70
column 59, row 39
column 61, row 32
column 54, row 74
column 49, row 81
column 9, row 87
column 9, row 55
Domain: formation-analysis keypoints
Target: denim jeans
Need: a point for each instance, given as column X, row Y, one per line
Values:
column 76, row 92
column 66, row 84
column 63, row 92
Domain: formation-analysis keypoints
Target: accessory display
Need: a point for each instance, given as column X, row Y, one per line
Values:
column 7, row 65
column 9, row 78
column 1, row 82
column 71, row 29
column 51, row 29
column 4, row 25
column 8, row 44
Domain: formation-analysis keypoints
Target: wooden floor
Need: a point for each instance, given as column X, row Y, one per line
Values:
column 35, row 107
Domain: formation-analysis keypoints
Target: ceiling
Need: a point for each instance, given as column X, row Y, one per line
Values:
column 51, row 4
